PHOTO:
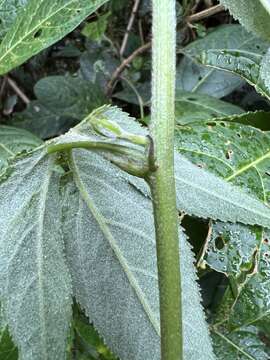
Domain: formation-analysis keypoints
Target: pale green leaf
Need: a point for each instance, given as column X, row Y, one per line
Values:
column 253, row 14
column 35, row 286
column 40, row 24
column 205, row 195
column 112, row 256
column 13, row 141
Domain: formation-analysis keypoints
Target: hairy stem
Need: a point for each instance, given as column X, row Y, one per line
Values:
column 162, row 181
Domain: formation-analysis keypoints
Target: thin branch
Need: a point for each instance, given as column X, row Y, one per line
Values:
column 129, row 27
column 124, row 64
column 205, row 13
column 17, row 90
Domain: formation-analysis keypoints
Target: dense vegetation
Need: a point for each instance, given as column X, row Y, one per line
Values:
column 80, row 171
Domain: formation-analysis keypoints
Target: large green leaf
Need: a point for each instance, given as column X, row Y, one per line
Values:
column 13, row 141
column 35, row 286
column 199, row 79
column 112, row 256
column 250, row 62
column 8, row 12
column 242, row 157
column 253, row 14
column 39, row 25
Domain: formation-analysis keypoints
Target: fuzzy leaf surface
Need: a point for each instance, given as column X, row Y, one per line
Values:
column 35, row 286
column 13, row 141
column 205, row 195
column 40, row 24
column 253, row 14
column 112, row 256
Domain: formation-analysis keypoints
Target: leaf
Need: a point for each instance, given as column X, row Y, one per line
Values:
column 236, row 158
column 96, row 29
column 239, row 251
column 39, row 25
column 257, row 119
column 242, row 331
column 35, row 286
column 190, row 107
column 62, row 101
column 13, row 141
column 9, row 10
column 199, row 79
column 112, row 256
column 69, row 96
column 231, row 249
column 198, row 192
column 91, row 342
column 205, row 195
column 8, row 351
column 249, row 63
column 98, row 63
column 252, row 14
column 243, row 344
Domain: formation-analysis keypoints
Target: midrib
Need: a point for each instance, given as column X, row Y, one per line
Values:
column 42, row 208
column 108, row 235
column 248, row 166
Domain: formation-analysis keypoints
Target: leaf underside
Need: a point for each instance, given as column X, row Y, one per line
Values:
column 111, row 252
column 35, row 286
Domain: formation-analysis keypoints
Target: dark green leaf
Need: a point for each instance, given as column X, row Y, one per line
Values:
column 39, row 25
column 96, row 29
column 8, row 350
column 199, row 79
column 62, row 101
column 191, row 107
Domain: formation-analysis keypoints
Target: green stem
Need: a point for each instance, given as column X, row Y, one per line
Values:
column 162, row 181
